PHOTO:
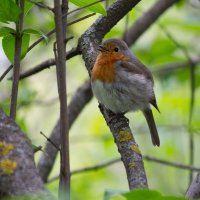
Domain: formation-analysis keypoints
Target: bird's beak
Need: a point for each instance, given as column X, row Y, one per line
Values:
column 102, row 48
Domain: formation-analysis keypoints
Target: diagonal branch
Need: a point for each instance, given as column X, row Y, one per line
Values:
column 48, row 63
column 171, row 67
column 144, row 22
column 127, row 147
column 40, row 40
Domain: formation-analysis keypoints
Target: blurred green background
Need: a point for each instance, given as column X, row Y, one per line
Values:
column 91, row 142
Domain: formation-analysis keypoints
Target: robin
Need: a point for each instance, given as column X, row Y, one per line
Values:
column 122, row 83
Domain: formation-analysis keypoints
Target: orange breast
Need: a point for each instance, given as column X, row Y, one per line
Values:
column 104, row 67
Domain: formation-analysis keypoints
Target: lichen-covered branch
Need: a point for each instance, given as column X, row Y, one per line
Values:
column 119, row 126
column 18, row 174
column 193, row 191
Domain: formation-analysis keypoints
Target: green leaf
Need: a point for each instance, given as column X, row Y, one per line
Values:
column 25, row 44
column 4, row 31
column 36, row 32
column 8, row 44
column 27, row 7
column 97, row 8
column 9, row 11
column 142, row 194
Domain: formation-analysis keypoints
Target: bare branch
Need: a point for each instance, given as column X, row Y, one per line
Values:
column 145, row 157
column 49, row 140
column 143, row 23
column 53, row 30
column 60, row 23
column 171, row 67
column 88, row 169
column 6, row 72
column 48, row 63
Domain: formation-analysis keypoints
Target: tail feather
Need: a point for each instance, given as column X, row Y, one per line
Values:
column 152, row 127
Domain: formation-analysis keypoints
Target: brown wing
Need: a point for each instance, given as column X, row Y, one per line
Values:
column 137, row 67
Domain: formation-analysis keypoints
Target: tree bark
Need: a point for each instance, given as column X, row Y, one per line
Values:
column 18, row 174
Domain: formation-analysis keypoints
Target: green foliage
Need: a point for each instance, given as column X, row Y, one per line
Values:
column 5, row 31
column 36, row 32
column 8, row 44
column 98, row 8
column 9, row 11
column 144, row 194
column 27, row 7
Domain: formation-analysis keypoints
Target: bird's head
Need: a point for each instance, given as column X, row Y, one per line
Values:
column 114, row 47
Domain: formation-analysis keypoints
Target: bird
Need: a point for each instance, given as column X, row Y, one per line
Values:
column 122, row 83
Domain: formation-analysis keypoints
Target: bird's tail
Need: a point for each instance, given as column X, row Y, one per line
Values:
column 152, row 127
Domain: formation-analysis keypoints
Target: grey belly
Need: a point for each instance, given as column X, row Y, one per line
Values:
column 115, row 98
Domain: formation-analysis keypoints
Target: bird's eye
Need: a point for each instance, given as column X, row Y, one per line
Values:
column 116, row 49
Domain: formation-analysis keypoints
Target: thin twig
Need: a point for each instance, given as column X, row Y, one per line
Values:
column 145, row 157
column 53, row 30
column 17, row 59
column 49, row 140
column 172, row 67
column 88, row 169
column 48, row 63
column 36, row 149
column 172, row 164
column 6, row 72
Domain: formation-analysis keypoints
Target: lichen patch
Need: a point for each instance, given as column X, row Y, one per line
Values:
column 7, row 167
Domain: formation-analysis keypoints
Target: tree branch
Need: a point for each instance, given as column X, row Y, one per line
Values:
column 40, row 40
column 60, row 23
column 144, row 22
column 48, row 63
column 171, row 67
column 18, row 174
column 145, row 157
column 193, row 191
column 127, row 147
